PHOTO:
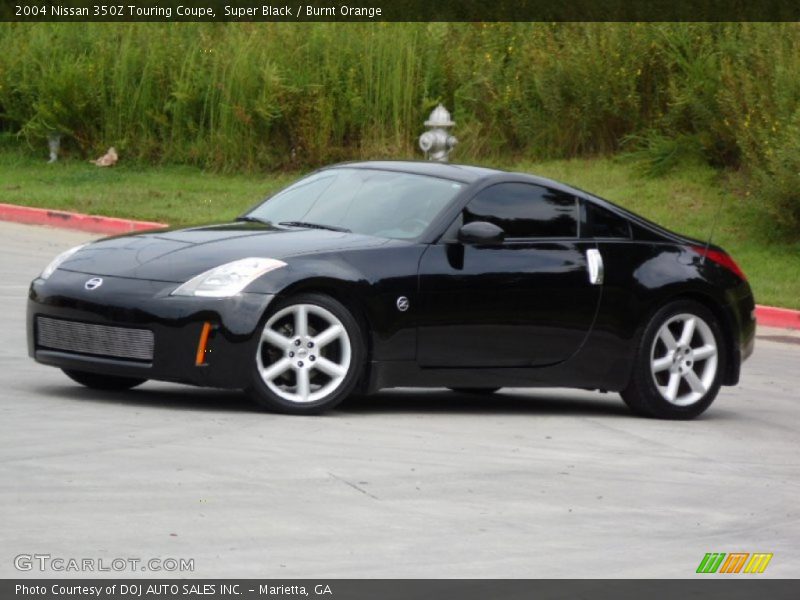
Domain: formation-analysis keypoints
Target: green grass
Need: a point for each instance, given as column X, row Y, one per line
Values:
column 687, row 201
column 174, row 195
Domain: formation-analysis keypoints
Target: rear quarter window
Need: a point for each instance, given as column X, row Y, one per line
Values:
column 602, row 223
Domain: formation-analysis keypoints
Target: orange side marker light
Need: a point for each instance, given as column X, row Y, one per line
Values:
column 200, row 357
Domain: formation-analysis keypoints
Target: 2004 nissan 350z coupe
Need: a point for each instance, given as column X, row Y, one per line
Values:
column 375, row 275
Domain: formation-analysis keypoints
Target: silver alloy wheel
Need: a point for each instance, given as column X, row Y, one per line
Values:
column 683, row 359
column 304, row 353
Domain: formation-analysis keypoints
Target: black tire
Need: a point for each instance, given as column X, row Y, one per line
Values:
column 270, row 400
column 643, row 396
column 96, row 381
column 483, row 391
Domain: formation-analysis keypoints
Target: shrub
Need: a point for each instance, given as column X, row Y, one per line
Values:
column 257, row 96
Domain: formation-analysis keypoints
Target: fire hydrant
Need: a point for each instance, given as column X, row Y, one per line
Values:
column 437, row 142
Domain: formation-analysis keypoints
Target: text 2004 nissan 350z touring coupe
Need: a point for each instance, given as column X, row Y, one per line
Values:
column 375, row 275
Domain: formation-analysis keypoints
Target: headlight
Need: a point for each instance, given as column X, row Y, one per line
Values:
column 228, row 279
column 56, row 262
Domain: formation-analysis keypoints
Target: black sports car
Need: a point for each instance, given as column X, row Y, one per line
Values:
column 375, row 275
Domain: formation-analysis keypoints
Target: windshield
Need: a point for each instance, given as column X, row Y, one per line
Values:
column 366, row 201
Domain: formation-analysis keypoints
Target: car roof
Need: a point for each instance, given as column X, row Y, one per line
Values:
column 456, row 172
column 462, row 173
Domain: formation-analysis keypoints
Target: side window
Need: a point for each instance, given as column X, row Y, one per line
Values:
column 525, row 211
column 602, row 223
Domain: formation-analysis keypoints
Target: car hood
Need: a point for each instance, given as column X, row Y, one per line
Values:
column 178, row 255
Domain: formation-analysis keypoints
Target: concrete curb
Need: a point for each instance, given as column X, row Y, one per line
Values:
column 768, row 316
column 771, row 316
column 71, row 220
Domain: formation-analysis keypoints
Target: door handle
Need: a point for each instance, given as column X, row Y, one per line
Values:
column 594, row 260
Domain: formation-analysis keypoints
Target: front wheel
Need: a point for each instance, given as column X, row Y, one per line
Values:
column 96, row 381
column 309, row 357
column 679, row 363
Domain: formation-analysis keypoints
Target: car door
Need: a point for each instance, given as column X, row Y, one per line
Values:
column 529, row 300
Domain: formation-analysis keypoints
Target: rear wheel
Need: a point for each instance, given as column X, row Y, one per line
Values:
column 679, row 363
column 97, row 381
column 309, row 357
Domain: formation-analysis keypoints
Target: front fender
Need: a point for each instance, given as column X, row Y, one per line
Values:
column 368, row 282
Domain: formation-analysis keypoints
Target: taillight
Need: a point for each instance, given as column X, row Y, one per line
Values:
column 722, row 259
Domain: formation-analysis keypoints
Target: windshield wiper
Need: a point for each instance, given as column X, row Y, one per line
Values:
column 251, row 219
column 314, row 226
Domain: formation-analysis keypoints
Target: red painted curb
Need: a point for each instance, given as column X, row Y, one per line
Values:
column 71, row 220
column 770, row 316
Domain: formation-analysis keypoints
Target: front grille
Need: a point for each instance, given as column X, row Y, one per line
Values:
column 88, row 338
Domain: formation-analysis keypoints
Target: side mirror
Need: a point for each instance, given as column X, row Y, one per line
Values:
column 481, row 232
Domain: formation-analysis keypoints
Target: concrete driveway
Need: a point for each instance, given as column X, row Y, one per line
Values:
column 542, row 483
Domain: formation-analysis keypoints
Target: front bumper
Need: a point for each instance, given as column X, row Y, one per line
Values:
column 176, row 322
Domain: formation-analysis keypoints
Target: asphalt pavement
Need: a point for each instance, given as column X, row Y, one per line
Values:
column 526, row 483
